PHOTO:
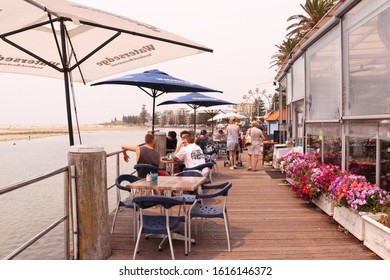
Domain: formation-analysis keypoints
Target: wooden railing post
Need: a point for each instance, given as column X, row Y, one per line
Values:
column 92, row 202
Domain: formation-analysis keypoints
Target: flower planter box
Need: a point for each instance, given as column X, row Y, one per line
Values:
column 325, row 205
column 290, row 181
column 376, row 236
column 350, row 220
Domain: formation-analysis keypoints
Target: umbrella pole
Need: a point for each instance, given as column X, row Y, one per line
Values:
column 66, row 82
column 194, row 121
column 154, row 103
column 212, row 125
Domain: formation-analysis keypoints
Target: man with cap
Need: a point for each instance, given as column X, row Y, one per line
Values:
column 204, row 140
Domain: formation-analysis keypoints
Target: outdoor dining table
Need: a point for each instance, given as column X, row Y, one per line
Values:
column 167, row 184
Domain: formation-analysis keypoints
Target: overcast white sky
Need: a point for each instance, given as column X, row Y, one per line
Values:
column 241, row 33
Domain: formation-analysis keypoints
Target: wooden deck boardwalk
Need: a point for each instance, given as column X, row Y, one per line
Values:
column 268, row 222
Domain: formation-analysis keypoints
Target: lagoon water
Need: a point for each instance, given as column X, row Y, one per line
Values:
column 27, row 211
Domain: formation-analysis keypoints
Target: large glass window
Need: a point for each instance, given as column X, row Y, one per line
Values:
column 289, row 88
column 361, row 149
column 323, row 63
column 384, row 142
column 324, row 140
column 298, row 73
column 367, row 59
column 298, row 123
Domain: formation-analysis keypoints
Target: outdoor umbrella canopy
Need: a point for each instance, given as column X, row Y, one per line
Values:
column 158, row 82
column 196, row 100
column 54, row 38
column 227, row 116
column 214, row 110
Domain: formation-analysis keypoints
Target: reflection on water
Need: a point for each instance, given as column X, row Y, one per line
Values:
column 26, row 212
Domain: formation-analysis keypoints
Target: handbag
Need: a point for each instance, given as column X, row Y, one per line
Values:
column 248, row 141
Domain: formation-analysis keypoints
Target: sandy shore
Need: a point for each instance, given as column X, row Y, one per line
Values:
column 26, row 132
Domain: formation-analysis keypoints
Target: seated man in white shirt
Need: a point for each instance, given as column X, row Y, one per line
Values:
column 190, row 153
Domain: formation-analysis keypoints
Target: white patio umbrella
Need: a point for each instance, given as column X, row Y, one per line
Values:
column 227, row 116
column 196, row 100
column 217, row 109
column 213, row 111
column 54, row 38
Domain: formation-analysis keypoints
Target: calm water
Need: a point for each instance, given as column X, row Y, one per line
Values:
column 27, row 211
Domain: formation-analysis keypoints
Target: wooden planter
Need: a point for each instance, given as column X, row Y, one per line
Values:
column 325, row 205
column 376, row 236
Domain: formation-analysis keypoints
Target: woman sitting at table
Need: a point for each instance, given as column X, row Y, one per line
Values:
column 190, row 153
column 145, row 154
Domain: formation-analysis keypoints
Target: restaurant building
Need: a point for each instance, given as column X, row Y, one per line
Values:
column 337, row 85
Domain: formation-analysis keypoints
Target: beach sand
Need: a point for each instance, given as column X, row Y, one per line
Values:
column 28, row 132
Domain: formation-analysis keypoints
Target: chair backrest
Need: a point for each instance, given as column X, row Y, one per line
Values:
column 143, row 169
column 125, row 178
column 201, row 166
column 190, row 173
column 223, row 191
column 211, row 149
column 144, row 202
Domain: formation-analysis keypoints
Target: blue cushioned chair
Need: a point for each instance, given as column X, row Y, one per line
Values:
column 211, row 156
column 199, row 210
column 200, row 167
column 188, row 198
column 144, row 168
column 119, row 182
column 159, row 224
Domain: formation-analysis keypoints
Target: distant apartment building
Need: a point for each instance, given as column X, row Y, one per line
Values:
column 244, row 108
column 181, row 116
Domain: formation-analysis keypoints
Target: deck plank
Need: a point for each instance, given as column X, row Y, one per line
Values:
column 267, row 222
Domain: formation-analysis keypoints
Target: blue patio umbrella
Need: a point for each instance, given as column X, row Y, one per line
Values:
column 158, row 82
column 196, row 100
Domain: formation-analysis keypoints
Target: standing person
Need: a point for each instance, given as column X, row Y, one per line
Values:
column 145, row 154
column 262, row 127
column 254, row 149
column 190, row 153
column 233, row 134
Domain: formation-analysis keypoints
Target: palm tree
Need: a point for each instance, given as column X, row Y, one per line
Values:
column 315, row 10
column 283, row 52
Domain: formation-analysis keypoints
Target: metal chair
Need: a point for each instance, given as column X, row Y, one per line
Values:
column 159, row 224
column 144, row 168
column 188, row 198
column 201, row 210
column 200, row 167
column 212, row 152
column 124, row 203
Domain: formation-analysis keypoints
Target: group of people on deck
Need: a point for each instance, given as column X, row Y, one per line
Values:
column 191, row 151
column 187, row 151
